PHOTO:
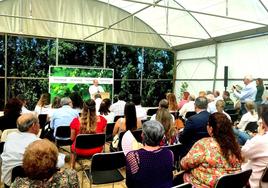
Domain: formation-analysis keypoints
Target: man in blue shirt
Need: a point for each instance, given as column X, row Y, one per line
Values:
column 63, row 116
column 248, row 93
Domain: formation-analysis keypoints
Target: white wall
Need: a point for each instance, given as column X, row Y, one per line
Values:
column 249, row 56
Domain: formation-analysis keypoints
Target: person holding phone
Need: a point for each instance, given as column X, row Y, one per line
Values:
column 247, row 93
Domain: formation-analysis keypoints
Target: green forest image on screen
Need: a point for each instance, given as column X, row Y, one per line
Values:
column 79, row 73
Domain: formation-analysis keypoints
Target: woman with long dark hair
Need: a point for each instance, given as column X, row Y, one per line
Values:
column 88, row 123
column 214, row 156
column 129, row 121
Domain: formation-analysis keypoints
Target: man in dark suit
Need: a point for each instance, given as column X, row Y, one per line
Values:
column 196, row 126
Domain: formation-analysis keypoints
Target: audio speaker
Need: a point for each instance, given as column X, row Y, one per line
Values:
column 225, row 76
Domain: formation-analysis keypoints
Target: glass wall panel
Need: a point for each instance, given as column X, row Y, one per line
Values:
column 30, row 88
column 2, row 72
column 158, row 64
column 81, row 54
column 155, row 90
column 2, row 94
column 124, row 60
column 2, row 56
column 30, row 57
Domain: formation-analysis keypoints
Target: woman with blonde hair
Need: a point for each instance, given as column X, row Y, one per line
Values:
column 165, row 118
column 250, row 116
column 172, row 102
column 39, row 164
column 88, row 123
column 43, row 106
column 220, row 104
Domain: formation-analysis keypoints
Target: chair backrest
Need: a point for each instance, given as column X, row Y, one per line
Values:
column 189, row 114
column 2, row 147
column 184, row 185
column 6, row 132
column 109, row 131
column 137, row 135
column 108, row 161
column 233, row 114
column 231, row 111
column 88, row 141
column 117, row 117
column 17, row 171
column 63, row 132
column 237, row 180
column 42, row 120
column 151, row 111
column 252, row 127
column 177, row 150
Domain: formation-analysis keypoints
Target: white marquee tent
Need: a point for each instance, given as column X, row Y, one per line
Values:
column 205, row 35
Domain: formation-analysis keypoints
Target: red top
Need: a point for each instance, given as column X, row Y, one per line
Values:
column 75, row 125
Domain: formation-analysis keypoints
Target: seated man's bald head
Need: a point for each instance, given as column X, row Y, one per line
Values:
column 26, row 121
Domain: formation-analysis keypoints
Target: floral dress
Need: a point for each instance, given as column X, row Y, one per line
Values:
column 65, row 178
column 205, row 163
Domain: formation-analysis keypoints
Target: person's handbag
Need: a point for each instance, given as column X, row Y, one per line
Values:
column 115, row 141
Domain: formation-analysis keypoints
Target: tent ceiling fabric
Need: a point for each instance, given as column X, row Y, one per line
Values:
column 149, row 23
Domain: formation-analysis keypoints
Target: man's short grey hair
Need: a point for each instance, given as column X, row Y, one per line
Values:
column 65, row 101
column 153, row 133
column 201, row 102
column 25, row 121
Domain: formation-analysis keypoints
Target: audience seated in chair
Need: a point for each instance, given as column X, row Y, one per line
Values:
column 229, row 103
column 12, row 111
column 77, row 101
column 39, row 165
column 140, row 111
column 172, row 102
column 255, row 151
column 152, row 165
column 250, row 116
column 163, row 104
column 64, row 115
column 43, row 105
column 24, row 101
column 165, row 118
column 16, row 143
column 118, row 107
column 187, row 107
column 184, row 100
column 88, row 123
column 212, row 157
column 195, row 126
column 105, row 112
column 129, row 122
column 220, row 104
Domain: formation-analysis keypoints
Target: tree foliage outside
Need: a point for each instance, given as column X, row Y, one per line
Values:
column 29, row 60
column 2, row 72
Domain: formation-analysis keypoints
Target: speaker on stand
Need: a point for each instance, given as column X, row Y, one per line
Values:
column 225, row 77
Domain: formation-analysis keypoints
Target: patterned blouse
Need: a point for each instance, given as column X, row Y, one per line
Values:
column 205, row 162
column 62, row 179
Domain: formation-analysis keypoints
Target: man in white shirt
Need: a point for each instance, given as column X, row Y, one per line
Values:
column 188, row 107
column 16, row 143
column 95, row 88
column 118, row 107
column 141, row 112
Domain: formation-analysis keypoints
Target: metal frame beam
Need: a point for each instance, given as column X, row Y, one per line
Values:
column 198, row 12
